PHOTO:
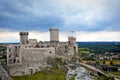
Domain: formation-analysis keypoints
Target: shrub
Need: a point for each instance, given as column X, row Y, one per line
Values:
column 104, row 62
column 111, row 62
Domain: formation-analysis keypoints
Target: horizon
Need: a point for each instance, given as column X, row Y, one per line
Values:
column 87, row 20
column 76, row 42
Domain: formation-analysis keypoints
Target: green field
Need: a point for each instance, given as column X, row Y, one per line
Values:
column 115, row 73
column 54, row 74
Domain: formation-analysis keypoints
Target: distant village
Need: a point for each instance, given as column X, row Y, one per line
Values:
column 108, row 56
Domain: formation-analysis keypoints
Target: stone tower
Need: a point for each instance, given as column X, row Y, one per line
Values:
column 54, row 35
column 24, row 38
column 72, row 40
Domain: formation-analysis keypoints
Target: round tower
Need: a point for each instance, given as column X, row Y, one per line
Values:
column 24, row 38
column 54, row 35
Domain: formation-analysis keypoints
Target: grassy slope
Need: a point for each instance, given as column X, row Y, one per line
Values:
column 115, row 73
column 54, row 74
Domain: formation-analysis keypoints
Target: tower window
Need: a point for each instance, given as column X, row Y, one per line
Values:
column 15, row 47
column 9, row 49
column 65, row 51
column 50, row 52
column 14, row 60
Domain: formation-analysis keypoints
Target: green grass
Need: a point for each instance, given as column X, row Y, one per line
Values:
column 104, row 78
column 54, row 74
column 115, row 73
column 72, row 78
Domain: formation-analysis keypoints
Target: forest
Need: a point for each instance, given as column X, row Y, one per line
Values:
column 101, row 47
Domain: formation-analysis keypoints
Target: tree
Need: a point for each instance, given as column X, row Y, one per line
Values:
column 91, row 56
column 84, row 55
column 104, row 62
column 111, row 62
column 97, row 62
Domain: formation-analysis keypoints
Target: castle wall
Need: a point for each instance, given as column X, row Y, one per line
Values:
column 62, row 48
column 36, row 54
column 13, row 54
column 32, row 60
column 30, row 57
column 66, row 50
column 32, row 41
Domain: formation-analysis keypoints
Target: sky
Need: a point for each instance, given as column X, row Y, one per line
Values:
column 91, row 20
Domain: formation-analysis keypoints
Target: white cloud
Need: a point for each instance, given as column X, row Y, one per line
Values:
column 72, row 13
column 81, row 36
column 89, row 10
column 40, row 36
column 75, row 14
column 89, row 13
column 8, row 36
column 98, row 36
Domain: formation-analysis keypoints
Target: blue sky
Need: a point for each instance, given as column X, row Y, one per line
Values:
column 95, row 18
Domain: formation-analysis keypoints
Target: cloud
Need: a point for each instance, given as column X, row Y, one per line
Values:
column 40, row 36
column 79, row 15
column 95, row 18
column 81, row 36
column 88, row 13
column 9, row 37
column 98, row 36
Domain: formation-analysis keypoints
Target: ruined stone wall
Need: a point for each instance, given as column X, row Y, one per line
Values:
column 44, row 44
column 33, row 42
column 66, row 50
column 62, row 48
column 13, row 54
column 28, row 58
column 32, row 60
column 36, row 54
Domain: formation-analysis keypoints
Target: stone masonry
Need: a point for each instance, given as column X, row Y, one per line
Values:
column 31, row 56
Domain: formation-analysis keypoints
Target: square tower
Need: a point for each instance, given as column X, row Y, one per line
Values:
column 54, row 35
column 72, row 40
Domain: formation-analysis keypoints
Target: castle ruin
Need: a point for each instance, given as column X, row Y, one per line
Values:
column 31, row 56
